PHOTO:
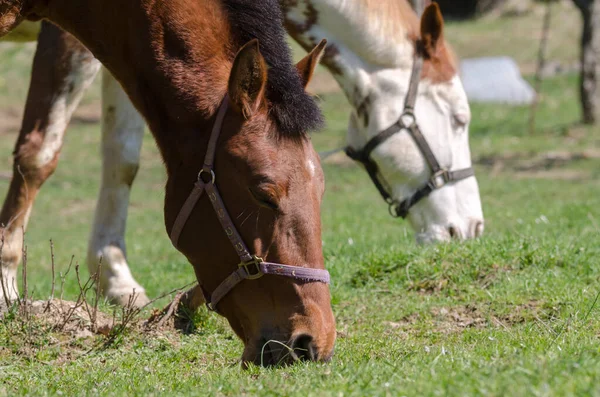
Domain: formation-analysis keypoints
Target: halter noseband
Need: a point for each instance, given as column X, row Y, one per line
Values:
column 251, row 267
column 440, row 177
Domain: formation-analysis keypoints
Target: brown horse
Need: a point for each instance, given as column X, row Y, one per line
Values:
column 181, row 62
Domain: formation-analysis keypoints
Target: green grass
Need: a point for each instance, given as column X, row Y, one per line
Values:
column 513, row 313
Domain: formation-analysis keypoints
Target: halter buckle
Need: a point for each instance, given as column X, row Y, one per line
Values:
column 439, row 179
column 393, row 207
column 207, row 176
column 252, row 268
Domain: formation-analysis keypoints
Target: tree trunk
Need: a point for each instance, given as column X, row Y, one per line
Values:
column 590, row 59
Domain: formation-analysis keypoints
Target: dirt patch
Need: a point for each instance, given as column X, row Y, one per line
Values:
column 540, row 165
column 428, row 286
column 61, row 331
column 559, row 175
column 487, row 276
column 69, row 318
column 452, row 319
column 447, row 320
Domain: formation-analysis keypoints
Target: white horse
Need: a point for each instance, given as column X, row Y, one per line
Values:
column 371, row 52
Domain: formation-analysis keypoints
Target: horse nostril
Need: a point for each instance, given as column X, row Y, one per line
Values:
column 478, row 229
column 453, row 231
column 304, row 348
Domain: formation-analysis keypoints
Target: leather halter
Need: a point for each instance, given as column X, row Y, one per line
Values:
column 440, row 177
column 251, row 267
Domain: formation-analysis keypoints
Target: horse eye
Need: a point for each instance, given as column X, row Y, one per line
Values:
column 264, row 198
column 460, row 119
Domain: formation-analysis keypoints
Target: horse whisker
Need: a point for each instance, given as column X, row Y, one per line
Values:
column 257, row 217
column 248, row 217
column 241, row 213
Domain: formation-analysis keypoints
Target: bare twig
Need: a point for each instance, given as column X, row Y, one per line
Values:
column 128, row 314
column 14, row 287
column 540, row 66
column 53, row 269
column 97, row 297
column 167, row 294
column 64, row 277
column 51, row 298
column 81, row 299
column 83, row 289
column 25, row 291
column 170, row 310
column 4, row 285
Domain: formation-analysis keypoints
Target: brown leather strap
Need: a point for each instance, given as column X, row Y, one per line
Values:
column 415, row 77
column 209, row 159
column 206, row 171
column 186, row 211
column 302, row 274
column 230, row 230
column 426, row 151
column 250, row 267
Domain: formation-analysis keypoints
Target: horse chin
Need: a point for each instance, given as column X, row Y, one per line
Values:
column 457, row 230
column 267, row 353
column 432, row 235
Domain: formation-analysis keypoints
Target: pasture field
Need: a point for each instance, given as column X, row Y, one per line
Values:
column 513, row 313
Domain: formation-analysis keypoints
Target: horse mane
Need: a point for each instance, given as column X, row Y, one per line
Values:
column 294, row 111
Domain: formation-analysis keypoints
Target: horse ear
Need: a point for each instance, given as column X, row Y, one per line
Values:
column 307, row 65
column 432, row 29
column 248, row 79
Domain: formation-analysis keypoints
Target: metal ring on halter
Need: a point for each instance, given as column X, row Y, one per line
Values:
column 211, row 176
column 408, row 113
column 439, row 179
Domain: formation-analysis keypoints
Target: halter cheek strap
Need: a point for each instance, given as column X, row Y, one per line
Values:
column 440, row 177
column 251, row 267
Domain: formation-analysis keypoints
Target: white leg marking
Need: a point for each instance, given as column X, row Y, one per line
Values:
column 11, row 256
column 122, row 133
column 83, row 72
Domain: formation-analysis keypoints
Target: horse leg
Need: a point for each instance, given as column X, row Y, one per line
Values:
column 62, row 70
column 122, row 133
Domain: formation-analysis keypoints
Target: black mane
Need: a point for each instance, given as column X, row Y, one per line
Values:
column 294, row 111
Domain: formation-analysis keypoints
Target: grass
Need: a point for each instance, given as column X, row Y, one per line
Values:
column 514, row 313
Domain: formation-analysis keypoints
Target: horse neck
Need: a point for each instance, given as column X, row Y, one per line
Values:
column 361, row 45
column 157, row 56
